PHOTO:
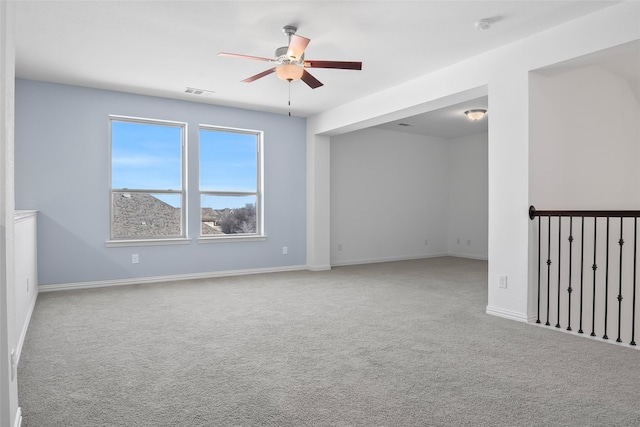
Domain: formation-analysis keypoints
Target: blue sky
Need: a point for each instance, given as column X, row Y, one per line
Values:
column 147, row 156
column 227, row 161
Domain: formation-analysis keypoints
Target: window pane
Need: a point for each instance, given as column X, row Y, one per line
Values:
column 228, row 214
column 145, row 156
column 145, row 215
column 228, row 161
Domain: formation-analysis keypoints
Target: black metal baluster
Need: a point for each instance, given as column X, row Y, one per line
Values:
column 622, row 276
column 548, row 268
column 581, row 272
column 606, row 283
column 539, row 267
column 594, row 267
column 559, row 265
column 633, row 309
column 569, row 289
column 621, row 243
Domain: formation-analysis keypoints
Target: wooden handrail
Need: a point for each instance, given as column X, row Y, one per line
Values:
column 598, row 214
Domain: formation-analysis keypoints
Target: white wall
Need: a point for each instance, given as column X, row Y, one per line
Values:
column 9, row 409
column 318, row 204
column 388, row 195
column 392, row 191
column 585, row 144
column 505, row 72
column 468, row 196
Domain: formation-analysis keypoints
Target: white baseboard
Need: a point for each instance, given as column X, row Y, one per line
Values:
column 25, row 326
column 172, row 278
column 585, row 335
column 469, row 256
column 318, row 267
column 18, row 420
column 511, row 315
column 385, row 259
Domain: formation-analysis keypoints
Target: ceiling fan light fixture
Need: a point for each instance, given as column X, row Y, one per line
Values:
column 289, row 72
column 476, row 114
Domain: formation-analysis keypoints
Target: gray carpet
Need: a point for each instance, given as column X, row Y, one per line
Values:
column 391, row 344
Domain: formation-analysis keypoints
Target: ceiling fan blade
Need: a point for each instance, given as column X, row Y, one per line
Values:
column 236, row 55
column 342, row 65
column 311, row 81
column 297, row 46
column 259, row 75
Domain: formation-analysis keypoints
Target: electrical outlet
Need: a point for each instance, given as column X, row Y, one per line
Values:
column 135, row 259
column 426, row 242
column 339, row 247
column 285, row 250
column 503, row 282
column 468, row 242
column 458, row 241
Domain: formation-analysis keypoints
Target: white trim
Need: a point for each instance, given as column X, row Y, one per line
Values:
column 470, row 256
column 386, row 259
column 318, row 267
column 184, row 213
column 146, row 120
column 585, row 335
column 148, row 242
column 508, row 314
column 258, row 193
column 172, row 278
column 25, row 327
column 18, row 420
column 21, row 215
column 232, row 238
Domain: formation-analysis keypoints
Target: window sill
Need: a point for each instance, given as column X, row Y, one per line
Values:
column 148, row 242
column 227, row 239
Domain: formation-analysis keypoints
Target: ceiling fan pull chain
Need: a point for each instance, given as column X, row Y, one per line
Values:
column 289, row 98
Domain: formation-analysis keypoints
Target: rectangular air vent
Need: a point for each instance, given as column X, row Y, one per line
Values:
column 194, row 91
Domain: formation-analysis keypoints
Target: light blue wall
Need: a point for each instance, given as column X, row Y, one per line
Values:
column 62, row 170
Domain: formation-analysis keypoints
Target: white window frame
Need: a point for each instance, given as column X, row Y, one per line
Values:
column 259, row 193
column 161, row 240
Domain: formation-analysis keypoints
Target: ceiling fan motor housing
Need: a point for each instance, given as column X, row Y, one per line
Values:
column 283, row 58
column 289, row 30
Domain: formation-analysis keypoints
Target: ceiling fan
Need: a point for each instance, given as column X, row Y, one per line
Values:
column 290, row 62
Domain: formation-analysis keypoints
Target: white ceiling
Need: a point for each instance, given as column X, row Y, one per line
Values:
column 160, row 47
column 448, row 122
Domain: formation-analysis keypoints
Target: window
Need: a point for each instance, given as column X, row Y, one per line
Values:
column 230, row 182
column 147, row 179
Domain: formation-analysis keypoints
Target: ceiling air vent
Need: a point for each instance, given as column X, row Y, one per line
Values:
column 194, row 91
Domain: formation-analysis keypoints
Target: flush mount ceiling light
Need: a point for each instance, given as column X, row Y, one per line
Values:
column 475, row 114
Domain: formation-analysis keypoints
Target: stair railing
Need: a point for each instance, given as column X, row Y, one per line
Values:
column 567, row 268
